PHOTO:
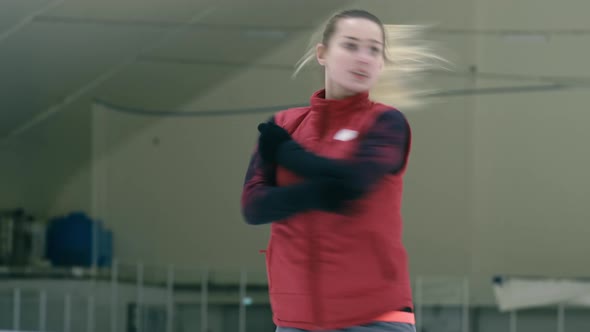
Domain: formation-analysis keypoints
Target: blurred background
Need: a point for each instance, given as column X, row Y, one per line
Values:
column 126, row 129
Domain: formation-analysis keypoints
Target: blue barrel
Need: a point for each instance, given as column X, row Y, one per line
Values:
column 70, row 241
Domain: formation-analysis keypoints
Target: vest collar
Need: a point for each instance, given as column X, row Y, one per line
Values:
column 319, row 103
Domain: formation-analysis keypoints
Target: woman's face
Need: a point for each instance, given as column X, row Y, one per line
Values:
column 353, row 58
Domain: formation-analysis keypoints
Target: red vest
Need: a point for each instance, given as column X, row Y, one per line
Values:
column 329, row 271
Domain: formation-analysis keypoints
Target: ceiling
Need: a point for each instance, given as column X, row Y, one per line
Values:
column 54, row 52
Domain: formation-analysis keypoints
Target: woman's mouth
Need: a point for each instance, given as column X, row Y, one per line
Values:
column 361, row 75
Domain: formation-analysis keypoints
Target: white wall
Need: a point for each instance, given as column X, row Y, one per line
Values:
column 172, row 184
column 159, row 193
column 12, row 172
column 531, row 183
column 166, row 202
column 48, row 167
column 469, row 208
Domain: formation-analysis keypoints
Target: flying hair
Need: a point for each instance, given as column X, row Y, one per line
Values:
column 408, row 59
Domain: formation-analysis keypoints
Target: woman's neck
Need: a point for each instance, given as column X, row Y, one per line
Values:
column 335, row 92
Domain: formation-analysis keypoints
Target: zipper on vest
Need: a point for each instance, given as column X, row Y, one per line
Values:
column 315, row 268
column 315, row 276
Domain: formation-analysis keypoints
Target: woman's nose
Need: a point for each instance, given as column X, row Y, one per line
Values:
column 364, row 56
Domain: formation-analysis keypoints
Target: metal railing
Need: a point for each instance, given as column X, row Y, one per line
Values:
column 143, row 298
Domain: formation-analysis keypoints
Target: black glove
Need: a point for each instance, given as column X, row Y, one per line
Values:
column 271, row 137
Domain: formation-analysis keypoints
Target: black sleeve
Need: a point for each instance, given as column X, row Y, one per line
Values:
column 383, row 150
column 263, row 202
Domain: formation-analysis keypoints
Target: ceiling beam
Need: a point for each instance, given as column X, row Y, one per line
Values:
column 28, row 19
column 162, row 24
column 200, row 62
column 232, row 27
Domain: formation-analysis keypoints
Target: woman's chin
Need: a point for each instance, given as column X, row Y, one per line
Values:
column 357, row 88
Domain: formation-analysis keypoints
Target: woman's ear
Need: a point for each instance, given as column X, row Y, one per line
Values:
column 320, row 51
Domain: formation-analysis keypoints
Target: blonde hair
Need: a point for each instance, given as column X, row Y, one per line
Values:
column 407, row 56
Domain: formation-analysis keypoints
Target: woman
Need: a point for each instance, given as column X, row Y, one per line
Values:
column 328, row 178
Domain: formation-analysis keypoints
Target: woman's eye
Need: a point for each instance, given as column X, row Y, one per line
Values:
column 350, row 46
